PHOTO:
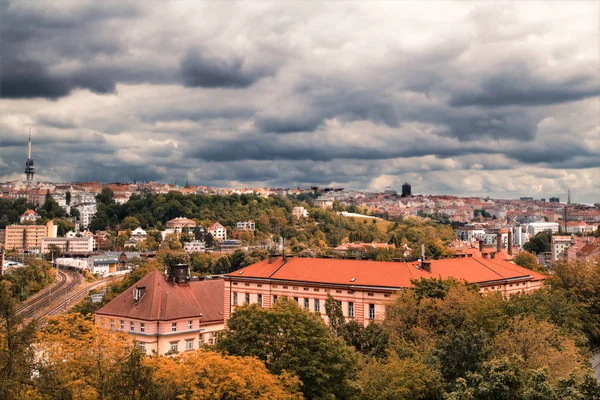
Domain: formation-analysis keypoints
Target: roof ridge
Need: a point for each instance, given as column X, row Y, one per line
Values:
column 495, row 272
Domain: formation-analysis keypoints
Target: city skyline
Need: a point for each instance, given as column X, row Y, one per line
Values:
column 466, row 99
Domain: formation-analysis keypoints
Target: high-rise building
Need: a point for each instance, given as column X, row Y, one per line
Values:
column 29, row 167
column 406, row 190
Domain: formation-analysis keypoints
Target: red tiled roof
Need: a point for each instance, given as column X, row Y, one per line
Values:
column 384, row 274
column 164, row 301
column 29, row 212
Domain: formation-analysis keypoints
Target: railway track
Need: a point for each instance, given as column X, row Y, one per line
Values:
column 67, row 280
column 71, row 299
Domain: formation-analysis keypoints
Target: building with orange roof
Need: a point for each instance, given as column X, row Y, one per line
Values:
column 364, row 287
column 29, row 216
column 167, row 315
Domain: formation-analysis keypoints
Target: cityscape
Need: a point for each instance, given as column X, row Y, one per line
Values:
column 298, row 202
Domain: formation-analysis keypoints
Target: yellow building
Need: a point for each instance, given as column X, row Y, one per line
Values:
column 28, row 237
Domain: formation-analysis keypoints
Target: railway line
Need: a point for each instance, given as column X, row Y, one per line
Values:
column 66, row 281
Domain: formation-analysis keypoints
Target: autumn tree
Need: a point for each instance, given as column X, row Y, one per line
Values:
column 288, row 338
column 206, row 375
column 529, row 261
column 16, row 352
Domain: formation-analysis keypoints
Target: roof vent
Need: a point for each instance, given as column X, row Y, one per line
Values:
column 241, row 272
column 352, row 280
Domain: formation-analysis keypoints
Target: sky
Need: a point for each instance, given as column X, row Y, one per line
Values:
column 480, row 98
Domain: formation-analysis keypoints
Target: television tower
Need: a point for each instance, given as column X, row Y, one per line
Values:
column 29, row 167
column 569, row 196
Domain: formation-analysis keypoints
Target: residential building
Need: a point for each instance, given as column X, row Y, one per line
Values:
column 218, row 231
column 86, row 213
column 365, row 287
column 323, row 202
column 194, row 246
column 245, row 226
column 76, row 244
column 138, row 234
column 27, row 237
column 299, row 212
column 470, row 233
column 29, row 216
column 536, row 227
column 559, row 244
column 167, row 315
column 179, row 224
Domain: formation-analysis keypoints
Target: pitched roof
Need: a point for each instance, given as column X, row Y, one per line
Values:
column 164, row 301
column 384, row 274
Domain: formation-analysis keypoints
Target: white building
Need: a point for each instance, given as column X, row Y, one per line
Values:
column 469, row 233
column 29, row 216
column 69, row 245
column 138, row 234
column 560, row 244
column 299, row 212
column 246, row 226
column 536, row 227
column 218, row 231
column 194, row 246
column 86, row 213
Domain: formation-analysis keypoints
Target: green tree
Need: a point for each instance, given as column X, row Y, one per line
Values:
column 335, row 315
column 16, row 351
column 529, row 261
column 288, row 338
column 130, row 223
column 106, row 196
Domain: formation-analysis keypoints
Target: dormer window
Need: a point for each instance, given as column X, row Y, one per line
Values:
column 138, row 292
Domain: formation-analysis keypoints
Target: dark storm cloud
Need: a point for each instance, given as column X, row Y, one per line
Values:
column 267, row 94
column 517, row 85
column 35, row 38
column 200, row 70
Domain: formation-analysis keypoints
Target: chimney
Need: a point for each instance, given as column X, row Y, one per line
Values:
column 510, row 242
column 179, row 273
column 423, row 252
column 272, row 258
column 481, row 245
column 426, row 265
column 499, row 242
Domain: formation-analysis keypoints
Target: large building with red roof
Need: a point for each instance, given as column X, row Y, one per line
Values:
column 364, row 287
column 167, row 315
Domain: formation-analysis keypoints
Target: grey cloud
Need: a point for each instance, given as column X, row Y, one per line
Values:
column 200, row 70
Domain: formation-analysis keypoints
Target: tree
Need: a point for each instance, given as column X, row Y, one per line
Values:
column 16, row 352
column 106, row 196
column 288, row 338
column 130, row 223
column 83, row 360
column 529, row 261
column 540, row 243
column 206, row 375
column 407, row 379
column 68, row 197
column 335, row 315
column 209, row 240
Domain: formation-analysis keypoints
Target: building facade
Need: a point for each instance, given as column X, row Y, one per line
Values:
column 364, row 287
column 166, row 315
column 69, row 245
column 218, row 231
column 27, row 237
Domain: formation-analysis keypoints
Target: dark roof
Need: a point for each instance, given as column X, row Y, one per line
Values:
column 164, row 301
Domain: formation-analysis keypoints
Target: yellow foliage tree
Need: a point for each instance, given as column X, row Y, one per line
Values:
column 206, row 375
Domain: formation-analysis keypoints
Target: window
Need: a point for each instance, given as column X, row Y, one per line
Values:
column 190, row 324
column 259, row 299
column 173, row 346
column 306, row 303
column 350, row 309
column 235, row 283
column 112, row 324
column 260, row 285
column 131, row 326
column 235, row 298
column 174, row 327
column 143, row 346
column 315, row 289
column 370, row 294
column 371, row 311
column 142, row 327
column 296, row 299
column 247, row 298
column 246, row 284
column 122, row 325
column 317, row 305
column 274, row 299
column 189, row 344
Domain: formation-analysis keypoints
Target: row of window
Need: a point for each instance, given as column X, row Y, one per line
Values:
column 306, row 303
column 142, row 328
